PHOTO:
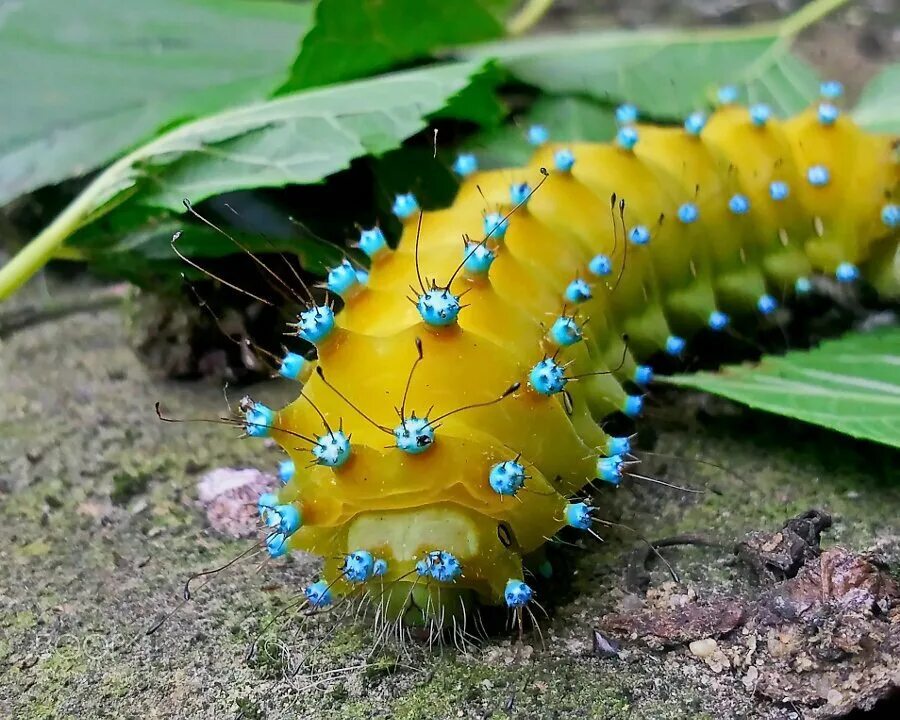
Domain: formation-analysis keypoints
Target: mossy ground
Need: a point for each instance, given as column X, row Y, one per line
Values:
column 98, row 531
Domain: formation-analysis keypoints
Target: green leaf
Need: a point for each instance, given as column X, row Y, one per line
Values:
column 851, row 385
column 666, row 73
column 298, row 138
column 93, row 78
column 566, row 117
column 352, row 39
column 878, row 109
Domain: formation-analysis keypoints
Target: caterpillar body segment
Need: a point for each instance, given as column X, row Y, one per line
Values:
column 459, row 392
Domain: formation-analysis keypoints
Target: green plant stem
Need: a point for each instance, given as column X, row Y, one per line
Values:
column 44, row 247
column 807, row 15
column 528, row 16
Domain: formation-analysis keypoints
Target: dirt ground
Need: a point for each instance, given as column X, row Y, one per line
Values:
column 99, row 528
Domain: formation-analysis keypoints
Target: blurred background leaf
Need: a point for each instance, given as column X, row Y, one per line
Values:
column 667, row 73
column 85, row 81
column 352, row 39
column 851, row 385
column 878, row 109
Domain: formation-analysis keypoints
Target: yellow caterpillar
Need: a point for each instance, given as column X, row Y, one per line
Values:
column 452, row 414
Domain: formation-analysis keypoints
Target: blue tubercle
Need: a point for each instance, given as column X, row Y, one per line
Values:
column 517, row 594
column 465, row 164
column 694, row 123
column 778, row 190
column 760, row 114
column 739, row 204
column 477, row 258
column 292, row 365
column 277, row 544
column 633, row 405
column 618, row 445
column 643, row 375
column 444, row 566
column 890, row 215
column 565, row 331
column 639, row 235
column 438, row 307
column 537, row 135
column 519, row 193
column 372, row 241
column 578, row 291
column 688, row 213
column 315, row 324
column 358, row 566
column 626, row 114
column 414, row 435
column 266, row 503
column 288, row 519
column 332, row 449
column 342, row 278
column 847, row 272
column 318, row 595
column 495, row 225
column 727, row 94
column 718, row 321
column 831, row 89
column 362, row 276
column 578, row 515
column 563, row 160
column 627, row 137
column 818, row 176
column 507, row 478
column 828, row 114
column 258, row 420
column 379, row 568
column 675, row 345
column 609, row 469
column 547, row 377
column 766, row 304
column 600, row 265
column 405, row 204
column 286, row 471
column 802, row 286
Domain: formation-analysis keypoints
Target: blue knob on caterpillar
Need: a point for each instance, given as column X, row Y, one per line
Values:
column 291, row 366
column 277, row 545
column 477, row 258
column 727, row 94
column 563, row 160
column 739, row 204
column 286, row 471
column 718, row 320
column 358, row 566
column 760, row 114
column 778, row 190
column 675, row 345
column 315, row 324
column 438, row 307
column 495, row 225
column 626, row 114
column 831, row 89
column 627, row 137
column 517, row 594
column 537, row 135
column 258, row 420
column 766, row 304
column 371, row 241
column 694, row 123
column 519, row 193
column 267, row 502
column 444, row 566
column 465, row 164
column 507, row 478
column 643, row 375
column 890, row 215
column 342, row 278
column 828, row 114
column 600, row 265
column 414, row 435
column 380, row 568
column 609, row 469
column 633, row 405
column 332, row 449
column 578, row 291
column 639, row 235
column 288, row 519
column 547, row 377
column 565, row 331
column 846, row 272
column 405, row 204
column 688, row 213
column 802, row 286
column 578, row 515
column 818, row 176
column 618, row 446
column 318, row 594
